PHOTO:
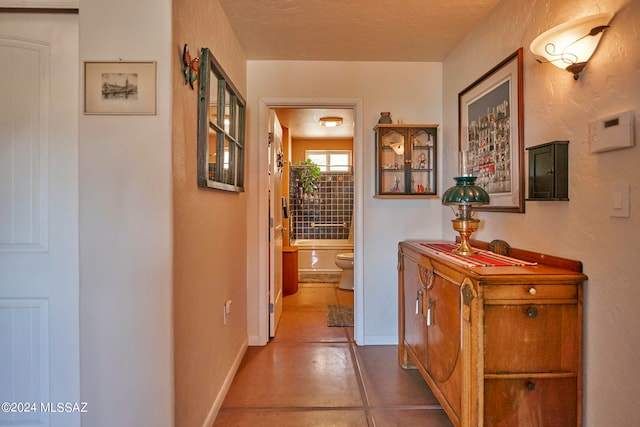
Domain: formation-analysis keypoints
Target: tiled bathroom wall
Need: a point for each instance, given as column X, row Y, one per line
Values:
column 327, row 213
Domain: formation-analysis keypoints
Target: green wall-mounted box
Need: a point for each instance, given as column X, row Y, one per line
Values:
column 549, row 171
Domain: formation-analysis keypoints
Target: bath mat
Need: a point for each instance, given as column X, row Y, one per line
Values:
column 339, row 315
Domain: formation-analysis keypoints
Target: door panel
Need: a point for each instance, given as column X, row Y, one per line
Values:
column 415, row 296
column 276, row 230
column 444, row 343
column 39, row 284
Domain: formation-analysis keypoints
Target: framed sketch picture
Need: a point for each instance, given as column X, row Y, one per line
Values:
column 120, row 88
column 491, row 134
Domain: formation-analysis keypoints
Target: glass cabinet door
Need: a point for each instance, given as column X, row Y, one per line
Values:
column 406, row 161
column 422, row 161
column 392, row 159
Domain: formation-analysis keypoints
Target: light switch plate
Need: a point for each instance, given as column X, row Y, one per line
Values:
column 619, row 194
column 612, row 133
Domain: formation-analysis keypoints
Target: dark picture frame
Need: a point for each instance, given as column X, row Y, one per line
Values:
column 491, row 134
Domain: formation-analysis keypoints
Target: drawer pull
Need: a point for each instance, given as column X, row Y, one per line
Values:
column 531, row 386
column 429, row 320
column 418, row 299
column 532, row 312
column 532, row 291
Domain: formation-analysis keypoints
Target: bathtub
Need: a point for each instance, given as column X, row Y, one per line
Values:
column 316, row 259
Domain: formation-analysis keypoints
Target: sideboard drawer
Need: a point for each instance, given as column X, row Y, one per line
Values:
column 531, row 338
column 530, row 402
column 501, row 292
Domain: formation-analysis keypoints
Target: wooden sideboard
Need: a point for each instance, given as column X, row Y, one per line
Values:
column 498, row 345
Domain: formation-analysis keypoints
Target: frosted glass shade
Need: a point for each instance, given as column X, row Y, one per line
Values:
column 570, row 45
column 330, row 122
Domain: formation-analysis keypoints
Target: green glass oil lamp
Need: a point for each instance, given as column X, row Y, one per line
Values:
column 465, row 194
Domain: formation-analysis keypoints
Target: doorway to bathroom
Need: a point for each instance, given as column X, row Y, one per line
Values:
column 318, row 187
column 324, row 218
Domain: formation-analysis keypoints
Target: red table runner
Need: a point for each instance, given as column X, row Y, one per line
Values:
column 480, row 259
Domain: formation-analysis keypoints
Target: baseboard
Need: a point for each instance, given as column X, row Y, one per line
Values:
column 254, row 341
column 217, row 403
column 380, row 340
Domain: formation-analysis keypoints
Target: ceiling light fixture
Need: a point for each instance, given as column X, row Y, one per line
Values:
column 570, row 45
column 330, row 122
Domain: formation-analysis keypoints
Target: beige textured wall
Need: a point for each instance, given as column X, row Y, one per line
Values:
column 559, row 108
column 209, row 233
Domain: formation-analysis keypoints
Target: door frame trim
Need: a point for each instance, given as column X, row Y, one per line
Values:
column 264, row 104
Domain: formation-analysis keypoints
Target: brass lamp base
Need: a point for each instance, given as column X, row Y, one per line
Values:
column 465, row 227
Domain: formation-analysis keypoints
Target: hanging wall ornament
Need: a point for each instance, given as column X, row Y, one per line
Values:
column 189, row 67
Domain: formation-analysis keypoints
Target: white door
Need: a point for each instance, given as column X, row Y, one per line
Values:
column 39, row 277
column 276, row 229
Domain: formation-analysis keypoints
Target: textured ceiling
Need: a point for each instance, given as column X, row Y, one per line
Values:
column 353, row 30
column 349, row 30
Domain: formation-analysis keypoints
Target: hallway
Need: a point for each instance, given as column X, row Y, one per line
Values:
column 314, row 375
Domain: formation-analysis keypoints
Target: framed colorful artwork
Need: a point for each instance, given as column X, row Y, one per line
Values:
column 491, row 134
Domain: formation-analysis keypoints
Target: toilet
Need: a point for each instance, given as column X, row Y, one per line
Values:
column 345, row 262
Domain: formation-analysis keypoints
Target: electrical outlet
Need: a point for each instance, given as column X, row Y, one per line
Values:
column 227, row 311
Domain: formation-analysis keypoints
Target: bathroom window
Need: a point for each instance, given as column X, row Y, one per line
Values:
column 330, row 160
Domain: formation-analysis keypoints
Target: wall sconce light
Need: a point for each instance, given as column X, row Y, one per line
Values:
column 465, row 194
column 570, row 45
column 330, row 122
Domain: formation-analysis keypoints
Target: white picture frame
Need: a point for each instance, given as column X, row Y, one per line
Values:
column 120, row 88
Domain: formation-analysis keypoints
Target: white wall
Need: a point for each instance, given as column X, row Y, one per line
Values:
column 126, row 228
column 412, row 93
column 559, row 108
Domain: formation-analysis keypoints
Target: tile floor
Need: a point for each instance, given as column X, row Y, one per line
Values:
column 314, row 375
